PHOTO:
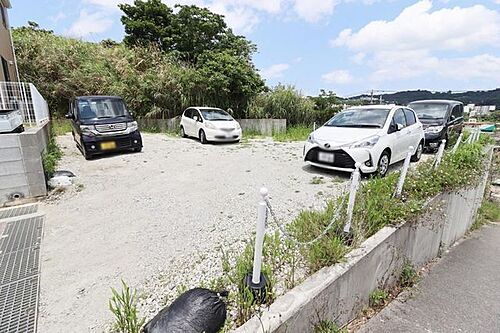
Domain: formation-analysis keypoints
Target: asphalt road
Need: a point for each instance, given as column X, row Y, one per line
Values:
column 460, row 294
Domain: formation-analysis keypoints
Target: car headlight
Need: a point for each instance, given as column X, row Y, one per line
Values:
column 433, row 129
column 88, row 129
column 367, row 143
column 210, row 125
column 132, row 126
column 310, row 139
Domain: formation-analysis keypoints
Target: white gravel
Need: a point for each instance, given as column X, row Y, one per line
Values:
column 156, row 219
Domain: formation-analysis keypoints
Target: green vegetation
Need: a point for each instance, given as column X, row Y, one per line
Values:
column 60, row 126
column 409, row 276
column 488, row 212
column 316, row 180
column 123, row 306
column 153, row 82
column 378, row 298
column 294, row 133
column 328, row 326
column 51, row 156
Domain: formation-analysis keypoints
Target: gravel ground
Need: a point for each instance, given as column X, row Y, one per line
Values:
column 156, row 219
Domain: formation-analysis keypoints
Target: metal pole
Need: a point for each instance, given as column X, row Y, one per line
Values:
column 314, row 126
column 440, row 153
column 402, row 176
column 459, row 140
column 259, row 237
column 352, row 197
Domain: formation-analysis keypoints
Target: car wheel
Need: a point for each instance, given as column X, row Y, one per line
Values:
column 418, row 154
column 183, row 133
column 203, row 138
column 383, row 164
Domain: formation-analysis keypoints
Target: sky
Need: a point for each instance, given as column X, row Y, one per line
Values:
column 346, row 46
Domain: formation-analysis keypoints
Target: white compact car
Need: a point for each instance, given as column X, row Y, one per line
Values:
column 210, row 124
column 374, row 135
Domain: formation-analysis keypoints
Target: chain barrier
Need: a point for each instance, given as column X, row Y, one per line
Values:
column 283, row 230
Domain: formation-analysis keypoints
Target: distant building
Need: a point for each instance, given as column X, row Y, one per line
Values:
column 8, row 70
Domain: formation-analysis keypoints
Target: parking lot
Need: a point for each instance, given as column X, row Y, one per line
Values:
column 156, row 218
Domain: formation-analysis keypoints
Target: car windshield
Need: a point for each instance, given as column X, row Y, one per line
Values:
column 99, row 108
column 430, row 110
column 363, row 118
column 216, row 114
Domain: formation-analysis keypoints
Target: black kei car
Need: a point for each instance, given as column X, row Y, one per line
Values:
column 442, row 119
column 102, row 124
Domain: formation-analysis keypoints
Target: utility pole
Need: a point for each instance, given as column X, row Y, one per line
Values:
column 371, row 97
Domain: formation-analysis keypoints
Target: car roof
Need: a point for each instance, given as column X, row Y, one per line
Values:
column 437, row 101
column 204, row 107
column 98, row 96
column 377, row 106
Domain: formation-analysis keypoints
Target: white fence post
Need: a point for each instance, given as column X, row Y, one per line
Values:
column 259, row 237
column 440, row 153
column 352, row 196
column 478, row 134
column 459, row 140
column 404, row 171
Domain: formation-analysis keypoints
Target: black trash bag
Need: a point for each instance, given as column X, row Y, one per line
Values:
column 197, row 310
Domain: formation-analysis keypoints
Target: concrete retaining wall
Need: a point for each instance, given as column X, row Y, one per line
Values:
column 262, row 126
column 340, row 292
column 21, row 170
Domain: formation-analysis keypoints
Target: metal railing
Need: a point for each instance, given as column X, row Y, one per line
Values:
column 25, row 97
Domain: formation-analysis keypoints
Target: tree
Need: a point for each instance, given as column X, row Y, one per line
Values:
column 188, row 33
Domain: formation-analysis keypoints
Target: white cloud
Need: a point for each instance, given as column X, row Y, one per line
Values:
column 314, row 10
column 275, row 71
column 417, row 27
column 58, row 17
column 241, row 19
column 89, row 23
column 358, row 58
column 394, row 65
column 338, row 76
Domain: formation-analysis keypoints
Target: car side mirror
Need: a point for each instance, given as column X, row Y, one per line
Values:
column 196, row 118
column 69, row 116
column 452, row 117
column 399, row 127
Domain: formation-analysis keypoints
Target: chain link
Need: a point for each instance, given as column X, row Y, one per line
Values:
column 292, row 238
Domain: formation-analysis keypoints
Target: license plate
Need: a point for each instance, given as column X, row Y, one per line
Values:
column 326, row 157
column 108, row 145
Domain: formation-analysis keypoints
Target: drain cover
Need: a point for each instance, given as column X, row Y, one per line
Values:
column 19, row 273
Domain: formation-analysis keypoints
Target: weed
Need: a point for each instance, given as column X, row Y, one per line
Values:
column 60, row 126
column 316, row 180
column 123, row 306
column 328, row 326
column 51, row 156
column 251, row 134
column 294, row 133
column 378, row 298
column 409, row 276
column 79, row 187
column 488, row 212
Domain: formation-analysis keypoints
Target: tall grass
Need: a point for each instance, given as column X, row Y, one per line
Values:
column 294, row 133
column 123, row 306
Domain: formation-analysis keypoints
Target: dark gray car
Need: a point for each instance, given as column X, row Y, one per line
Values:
column 442, row 119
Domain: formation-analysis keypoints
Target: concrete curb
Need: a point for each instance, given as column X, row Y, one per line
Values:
column 340, row 291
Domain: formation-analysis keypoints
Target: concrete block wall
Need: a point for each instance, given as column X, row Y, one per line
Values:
column 21, row 169
column 340, row 292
